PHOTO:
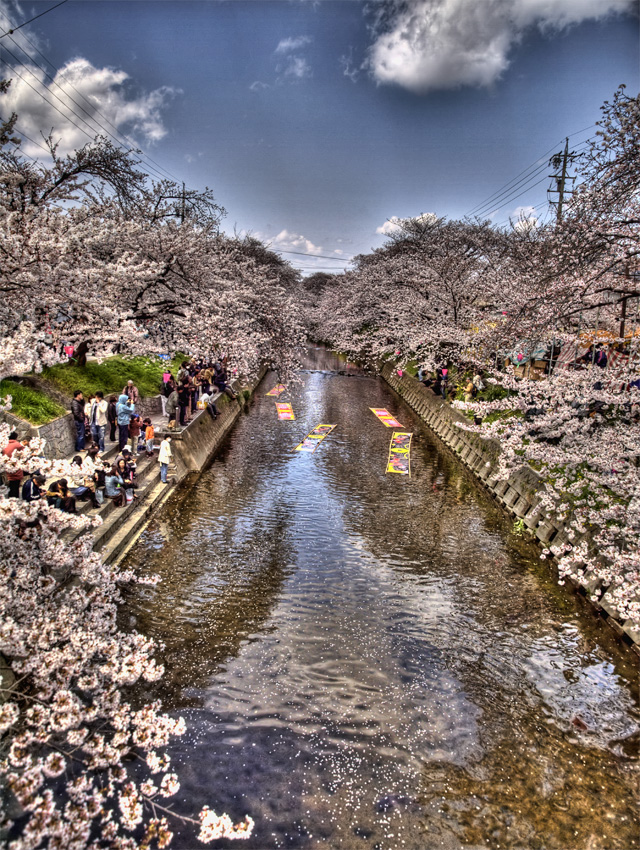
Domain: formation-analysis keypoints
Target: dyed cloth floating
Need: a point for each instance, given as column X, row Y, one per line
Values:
column 314, row 438
column 399, row 453
column 384, row 416
column 277, row 390
column 285, row 411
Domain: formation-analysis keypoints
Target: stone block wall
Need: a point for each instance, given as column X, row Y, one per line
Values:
column 520, row 495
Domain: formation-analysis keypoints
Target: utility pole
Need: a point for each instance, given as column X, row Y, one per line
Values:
column 182, row 212
column 560, row 161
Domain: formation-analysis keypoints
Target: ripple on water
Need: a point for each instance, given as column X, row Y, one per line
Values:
column 367, row 661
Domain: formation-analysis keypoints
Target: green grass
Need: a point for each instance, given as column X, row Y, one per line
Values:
column 111, row 375
column 31, row 404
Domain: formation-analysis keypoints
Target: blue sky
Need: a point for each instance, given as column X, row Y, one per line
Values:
column 317, row 122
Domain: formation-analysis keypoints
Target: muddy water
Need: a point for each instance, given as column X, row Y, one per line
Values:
column 367, row 661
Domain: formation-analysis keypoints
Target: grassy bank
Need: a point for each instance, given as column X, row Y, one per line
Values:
column 111, row 375
column 30, row 404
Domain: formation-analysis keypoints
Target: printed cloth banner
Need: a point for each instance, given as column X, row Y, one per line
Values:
column 277, row 390
column 384, row 416
column 314, row 438
column 285, row 411
column 399, row 453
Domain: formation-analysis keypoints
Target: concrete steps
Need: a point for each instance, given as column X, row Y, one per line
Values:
column 121, row 523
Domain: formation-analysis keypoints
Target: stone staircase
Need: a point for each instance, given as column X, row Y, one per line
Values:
column 121, row 525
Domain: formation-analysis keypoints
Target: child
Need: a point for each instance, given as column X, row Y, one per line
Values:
column 134, row 433
column 149, row 435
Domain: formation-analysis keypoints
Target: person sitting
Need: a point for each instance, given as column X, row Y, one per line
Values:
column 127, row 475
column 59, row 496
column 85, row 492
column 130, row 463
column 210, row 404
column 220, row 380
column 114, row 487
column 33, row 488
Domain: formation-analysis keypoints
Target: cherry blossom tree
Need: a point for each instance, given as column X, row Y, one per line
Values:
column 67, row 725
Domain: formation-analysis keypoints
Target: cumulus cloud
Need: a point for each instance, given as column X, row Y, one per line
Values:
column 42, row 106
column 393, row 225
column 524, row 219
column 291, row 45
column 287, row 241
column 423, row 45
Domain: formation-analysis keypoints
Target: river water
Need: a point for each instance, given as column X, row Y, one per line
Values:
column 372, row 661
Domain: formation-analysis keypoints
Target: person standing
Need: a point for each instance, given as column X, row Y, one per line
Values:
column 184, row 396
column 134, row 433
column 112, row 417
column 98, row 419
column 77, row 409
column 13, row 478
column 149, row 436
column 172, row 406
column 124, row 410
column 131, row 391
column 164, row 458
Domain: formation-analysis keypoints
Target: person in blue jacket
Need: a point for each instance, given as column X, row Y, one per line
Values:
column 125, row 409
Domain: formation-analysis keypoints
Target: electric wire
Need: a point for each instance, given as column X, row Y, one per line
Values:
column 91, row 132
column 120, row 135
column 24, row 23
column 536, row 166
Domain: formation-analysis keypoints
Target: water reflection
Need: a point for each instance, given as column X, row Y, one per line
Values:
column 368, row 661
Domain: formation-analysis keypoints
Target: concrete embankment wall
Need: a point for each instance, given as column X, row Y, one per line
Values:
column 195, row 446
column 520, row 495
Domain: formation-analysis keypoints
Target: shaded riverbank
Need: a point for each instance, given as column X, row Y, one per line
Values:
column 369, row 661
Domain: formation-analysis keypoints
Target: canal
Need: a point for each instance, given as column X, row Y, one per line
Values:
column 371, row 661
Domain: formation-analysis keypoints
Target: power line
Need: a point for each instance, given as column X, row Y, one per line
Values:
column 506, row 195
column 511, row 184
column 321, row 256
column 90, row 135
column 95, row 110
column 46, row 12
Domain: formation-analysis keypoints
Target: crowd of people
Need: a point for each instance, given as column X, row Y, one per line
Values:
column 438, row 382
column 197, row 381
column 196, row 384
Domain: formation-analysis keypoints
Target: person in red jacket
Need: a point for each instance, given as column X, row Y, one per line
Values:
column 13, row 478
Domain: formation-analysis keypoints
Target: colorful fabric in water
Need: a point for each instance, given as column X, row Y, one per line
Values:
column 399, row 453
column 314, row 438
column 277, row 390
column 285, row 411
column 384, row 416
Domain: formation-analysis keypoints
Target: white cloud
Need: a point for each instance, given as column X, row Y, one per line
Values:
column 524, row 219
column 293, row 65
column 291, row 45
column 296, row 67
column 42, row 105
column 393, row 225
column 258, row 85
column 286, row 241
column 423, row 45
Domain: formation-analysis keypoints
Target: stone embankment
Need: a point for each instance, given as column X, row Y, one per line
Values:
column 193, row 447
column 520, row 495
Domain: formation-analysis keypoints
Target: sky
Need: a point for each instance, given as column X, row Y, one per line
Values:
column 318, row 122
